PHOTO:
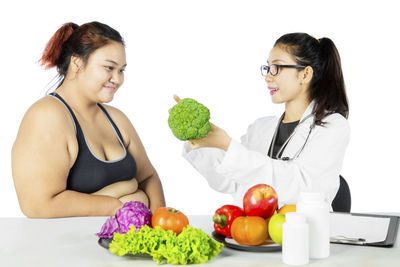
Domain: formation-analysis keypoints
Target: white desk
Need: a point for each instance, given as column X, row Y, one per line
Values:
column 72, row 242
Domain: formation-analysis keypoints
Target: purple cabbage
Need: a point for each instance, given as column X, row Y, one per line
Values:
column 108, row 229
column 132, row 213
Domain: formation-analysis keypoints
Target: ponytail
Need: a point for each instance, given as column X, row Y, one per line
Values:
column 52, row 51
column 327, row 86
column 329, row 90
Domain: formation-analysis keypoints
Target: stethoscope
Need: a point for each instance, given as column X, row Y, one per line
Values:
column 279, row 154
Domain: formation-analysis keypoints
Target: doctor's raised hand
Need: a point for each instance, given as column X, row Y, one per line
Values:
column 300, row 150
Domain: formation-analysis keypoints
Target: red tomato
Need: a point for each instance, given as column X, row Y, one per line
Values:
column 250, row 230
column 169, row 219
column 260, row 200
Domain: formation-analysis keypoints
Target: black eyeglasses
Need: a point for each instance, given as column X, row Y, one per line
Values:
column 274, row 69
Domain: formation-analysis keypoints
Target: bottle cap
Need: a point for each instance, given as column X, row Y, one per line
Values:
column 295, row 217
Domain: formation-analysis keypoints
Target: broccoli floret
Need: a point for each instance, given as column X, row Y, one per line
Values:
column 189, row 120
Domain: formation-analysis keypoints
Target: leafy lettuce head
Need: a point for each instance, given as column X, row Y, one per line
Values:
column 189, row 120
column 191, row 246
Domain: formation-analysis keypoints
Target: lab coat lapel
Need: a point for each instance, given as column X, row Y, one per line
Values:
column 308, row 111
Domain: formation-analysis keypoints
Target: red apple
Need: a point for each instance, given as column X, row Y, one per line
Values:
column 260, row 200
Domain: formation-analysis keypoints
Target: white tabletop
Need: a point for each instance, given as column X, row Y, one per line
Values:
column 72, row 242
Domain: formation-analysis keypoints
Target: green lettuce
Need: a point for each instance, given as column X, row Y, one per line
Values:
column 191, row 246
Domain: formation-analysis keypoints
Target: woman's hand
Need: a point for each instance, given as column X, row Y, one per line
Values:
column 217, row 137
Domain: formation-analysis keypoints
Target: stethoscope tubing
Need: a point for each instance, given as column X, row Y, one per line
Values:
column 278, row 155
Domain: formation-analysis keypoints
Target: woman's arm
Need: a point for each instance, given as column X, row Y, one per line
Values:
column 42, row 155
column 146, row 176
column 125, row 191
column 118, row 189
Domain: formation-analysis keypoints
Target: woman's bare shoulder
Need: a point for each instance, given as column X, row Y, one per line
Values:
column 47, row 114
column 120, row 118
column 116, row 114
column 47, row 105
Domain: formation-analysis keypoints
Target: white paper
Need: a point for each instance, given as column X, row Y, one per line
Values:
column 372, row 229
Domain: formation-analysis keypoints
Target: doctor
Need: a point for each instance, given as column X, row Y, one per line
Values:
column 303, row 150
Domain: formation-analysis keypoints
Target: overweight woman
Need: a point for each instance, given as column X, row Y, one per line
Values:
column 75, row 155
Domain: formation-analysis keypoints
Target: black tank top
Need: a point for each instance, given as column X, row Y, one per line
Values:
column 89, row 173
column 284, row 131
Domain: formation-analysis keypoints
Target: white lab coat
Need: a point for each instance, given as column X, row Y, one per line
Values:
column 246, row 164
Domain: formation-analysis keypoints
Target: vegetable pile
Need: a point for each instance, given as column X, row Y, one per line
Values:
column 189, row 120
column 172, row 239
column 191, row 246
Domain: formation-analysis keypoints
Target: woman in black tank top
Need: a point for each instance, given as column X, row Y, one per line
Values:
column 74, row 156
column 89, row 173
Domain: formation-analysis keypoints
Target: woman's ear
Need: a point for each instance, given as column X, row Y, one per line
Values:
column 307, row 75
column 76, row 64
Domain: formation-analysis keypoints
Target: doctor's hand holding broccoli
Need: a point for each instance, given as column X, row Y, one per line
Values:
column 190, row 121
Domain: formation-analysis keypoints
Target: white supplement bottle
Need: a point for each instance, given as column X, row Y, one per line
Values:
column 295, row 239
column 316, row 210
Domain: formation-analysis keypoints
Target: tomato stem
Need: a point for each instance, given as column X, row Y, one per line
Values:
column 172, row 210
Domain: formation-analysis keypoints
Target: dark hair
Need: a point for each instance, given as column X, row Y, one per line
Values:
column 327, row 85
column 73, row 40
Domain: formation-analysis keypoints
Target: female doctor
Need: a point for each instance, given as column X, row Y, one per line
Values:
column 302, row 150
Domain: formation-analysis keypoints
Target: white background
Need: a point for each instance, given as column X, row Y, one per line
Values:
column 211, row 51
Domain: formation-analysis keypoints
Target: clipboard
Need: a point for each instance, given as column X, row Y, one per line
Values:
column 365, row 226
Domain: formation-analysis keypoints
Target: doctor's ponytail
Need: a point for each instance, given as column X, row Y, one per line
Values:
column 327, row 86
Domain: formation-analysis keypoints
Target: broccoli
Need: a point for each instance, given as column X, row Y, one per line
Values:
column 189, row 120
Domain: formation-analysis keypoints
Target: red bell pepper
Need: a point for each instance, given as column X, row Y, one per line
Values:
column 224, row 217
